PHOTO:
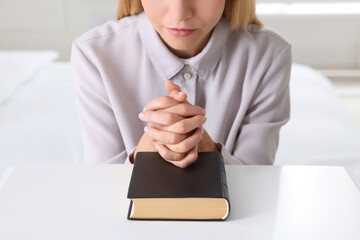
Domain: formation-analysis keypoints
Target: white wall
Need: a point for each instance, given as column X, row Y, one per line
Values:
column 50, row 24
column 321, row 41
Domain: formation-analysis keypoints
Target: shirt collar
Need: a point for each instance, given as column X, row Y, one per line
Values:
column 169, row 64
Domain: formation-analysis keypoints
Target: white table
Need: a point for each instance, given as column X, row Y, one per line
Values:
column 87, row 202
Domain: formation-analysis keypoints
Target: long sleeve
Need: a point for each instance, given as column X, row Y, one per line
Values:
column 241, row 78
column 102, row 140
column 258, row 135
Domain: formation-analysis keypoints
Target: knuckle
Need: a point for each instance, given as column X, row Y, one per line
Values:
column 168, row 118
column 164, row 99
column 184, row 147
column 181, row 127
column 164, row 154
column 182, row 109
column 149, row 116
column 199, row 118
column 182, row 164
column 173, row 138
column 192, row 159
column 155, row 134
column 178, row 157
column 168, row 155
column 199, row 110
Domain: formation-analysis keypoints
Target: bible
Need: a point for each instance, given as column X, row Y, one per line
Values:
column 158, row 190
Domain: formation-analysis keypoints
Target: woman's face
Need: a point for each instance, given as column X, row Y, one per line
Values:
column 185, row 26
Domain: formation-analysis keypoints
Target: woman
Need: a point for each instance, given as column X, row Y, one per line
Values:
column 203, row 74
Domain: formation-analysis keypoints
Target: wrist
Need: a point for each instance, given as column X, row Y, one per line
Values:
column 207, row 144
column 144, row 145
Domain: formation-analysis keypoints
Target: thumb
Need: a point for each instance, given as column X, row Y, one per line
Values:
column 175, row 92
column 170, row 86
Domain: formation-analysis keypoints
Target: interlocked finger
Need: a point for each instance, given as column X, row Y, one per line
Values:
column 169, row 155
column 187, row 144
column 185, row 125
column 164, row 137
column 186, row 110
column 179, row 160
column 161, row 102
column 160, row 117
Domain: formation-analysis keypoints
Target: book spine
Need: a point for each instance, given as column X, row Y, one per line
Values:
column 224, row 187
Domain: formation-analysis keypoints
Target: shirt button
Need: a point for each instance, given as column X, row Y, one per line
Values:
column 187, row 76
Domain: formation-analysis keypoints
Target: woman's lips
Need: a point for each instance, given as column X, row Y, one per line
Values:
column 181, row 32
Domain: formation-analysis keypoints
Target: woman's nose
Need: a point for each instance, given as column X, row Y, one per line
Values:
column 180, row 10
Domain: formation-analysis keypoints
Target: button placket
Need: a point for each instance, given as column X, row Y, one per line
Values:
column 187, row 76
column 188, row 82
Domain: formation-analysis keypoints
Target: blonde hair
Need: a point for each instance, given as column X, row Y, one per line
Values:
column 239, row 13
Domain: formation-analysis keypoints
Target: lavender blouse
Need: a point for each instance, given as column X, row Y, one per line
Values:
column 241, row 79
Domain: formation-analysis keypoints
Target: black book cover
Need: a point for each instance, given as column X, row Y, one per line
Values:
column 153, row 177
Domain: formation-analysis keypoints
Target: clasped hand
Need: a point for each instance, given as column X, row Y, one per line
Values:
column 174, row 126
